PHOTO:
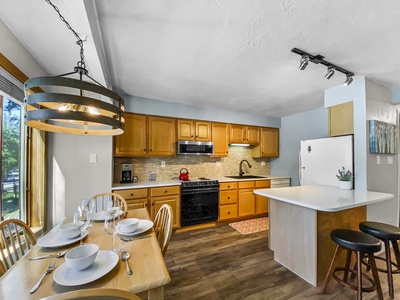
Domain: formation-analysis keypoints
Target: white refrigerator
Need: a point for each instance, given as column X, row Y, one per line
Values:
column 320, row 159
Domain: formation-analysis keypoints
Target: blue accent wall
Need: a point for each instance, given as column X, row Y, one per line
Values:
column 309, row 125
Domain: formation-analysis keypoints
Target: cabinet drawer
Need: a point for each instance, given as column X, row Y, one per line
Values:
column 135, row 204
column 246, row 184
column 164, row 191
column 132, row 193
column 263, row 183
column 228, row 185
column 228, row 211
column 226, row 197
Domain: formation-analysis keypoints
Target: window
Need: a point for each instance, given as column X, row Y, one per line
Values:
column 13, row 153
column 28, row 171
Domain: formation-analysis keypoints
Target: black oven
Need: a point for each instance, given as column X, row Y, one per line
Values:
column 199, row 202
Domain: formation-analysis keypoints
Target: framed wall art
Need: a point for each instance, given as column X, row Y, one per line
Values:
column 383, row 137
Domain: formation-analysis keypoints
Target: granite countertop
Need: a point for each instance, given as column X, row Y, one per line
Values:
column 323, row 198
column 150, row 184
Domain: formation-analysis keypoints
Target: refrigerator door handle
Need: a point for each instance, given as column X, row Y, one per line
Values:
column 300, row 169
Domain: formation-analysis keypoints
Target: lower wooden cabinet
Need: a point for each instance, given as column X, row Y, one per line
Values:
column 228, row 207
column 262, row 202
column 153, row 199
column 246, row 198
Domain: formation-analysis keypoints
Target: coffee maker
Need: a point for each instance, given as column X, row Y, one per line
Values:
column 126, row 173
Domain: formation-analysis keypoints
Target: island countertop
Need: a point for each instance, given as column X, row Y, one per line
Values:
column 324, row 198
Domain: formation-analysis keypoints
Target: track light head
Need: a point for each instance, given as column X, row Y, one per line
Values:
column 304, row 62
column 349, row 80
column 331, row 72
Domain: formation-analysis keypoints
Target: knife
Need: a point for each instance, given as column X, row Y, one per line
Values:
column 48, row 271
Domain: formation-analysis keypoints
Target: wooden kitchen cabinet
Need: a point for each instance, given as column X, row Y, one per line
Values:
column 166, row 195
column 135, row 198
column 341, row 119
column 191, row 130
column 228, row 207
column 242, row 134
column 246, row 198
column 161, row 136
column 269, row 143
column 133, row 142
column 146, row 136
column 261, row 201
column 220, row 138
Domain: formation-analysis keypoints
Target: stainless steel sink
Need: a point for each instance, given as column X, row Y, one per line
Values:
column 246, row 177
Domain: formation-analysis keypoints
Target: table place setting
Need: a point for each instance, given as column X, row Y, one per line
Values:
column 133, row 227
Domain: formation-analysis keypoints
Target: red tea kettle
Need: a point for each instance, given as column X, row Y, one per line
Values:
column 184, row 176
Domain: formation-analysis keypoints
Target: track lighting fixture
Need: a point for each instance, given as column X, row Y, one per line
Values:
column 319, row 59
column 303, row 62
column 331, row 72
column 349, row 80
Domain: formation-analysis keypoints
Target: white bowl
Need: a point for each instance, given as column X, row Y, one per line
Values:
column 69, row 230
column 128, row 225
column 81, row 257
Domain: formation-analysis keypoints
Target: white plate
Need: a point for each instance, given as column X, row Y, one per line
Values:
column 105, row 261
column 144, row 225
column 101, row 215
column 55, row 239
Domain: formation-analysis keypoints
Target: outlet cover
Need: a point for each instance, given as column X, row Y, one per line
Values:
column 378, row 159
column 390, row 160
column 263, row 162
column 162, row 164
column 93, row 158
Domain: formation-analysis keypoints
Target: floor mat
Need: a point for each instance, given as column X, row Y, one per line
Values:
column 251, row 226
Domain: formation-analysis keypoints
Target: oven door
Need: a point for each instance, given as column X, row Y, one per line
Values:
column 199, row 206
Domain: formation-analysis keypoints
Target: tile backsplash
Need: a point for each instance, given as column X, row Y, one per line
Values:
column 197, row 166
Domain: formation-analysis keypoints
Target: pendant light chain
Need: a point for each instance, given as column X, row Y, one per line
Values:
column 80, row 63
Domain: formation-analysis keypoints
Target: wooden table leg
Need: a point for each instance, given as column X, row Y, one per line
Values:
column 156, row 293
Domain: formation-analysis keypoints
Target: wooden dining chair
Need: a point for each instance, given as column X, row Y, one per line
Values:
column 163, row 226
column 95, row 294
column 15, row 241
column 101, row 199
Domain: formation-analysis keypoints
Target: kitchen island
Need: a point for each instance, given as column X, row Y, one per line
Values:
column 301, row 219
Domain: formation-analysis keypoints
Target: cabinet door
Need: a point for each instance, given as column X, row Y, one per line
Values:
column 341, row 119
column 133, row 141
column 203, row 131
column 162, row 137
column 252, row 135
column 236, row 134
column 174, row 202
column 270, row 142
column 246, row 203
column 186, row 130
column 261, row 205
column 220, row 138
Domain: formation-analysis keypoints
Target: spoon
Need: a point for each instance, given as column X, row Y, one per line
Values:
column 61, row 254
column 125, row 256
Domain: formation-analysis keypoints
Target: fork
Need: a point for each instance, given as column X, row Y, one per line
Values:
column 48, row 271
column 61, row 254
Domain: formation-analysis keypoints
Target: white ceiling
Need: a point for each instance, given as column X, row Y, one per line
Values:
column 228, row 54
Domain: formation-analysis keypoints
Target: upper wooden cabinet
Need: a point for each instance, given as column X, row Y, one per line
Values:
column 269, row 143
column 242, row 134
column 146, row 136
column 161, row 136
column 341, row 119
column 133, row 142
column 220, row 138
column 191, row 130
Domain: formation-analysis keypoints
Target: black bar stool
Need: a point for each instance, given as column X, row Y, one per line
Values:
column 362, row 244
column 388, row 234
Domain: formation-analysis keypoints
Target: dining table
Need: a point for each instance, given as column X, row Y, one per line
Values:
column 149, row 271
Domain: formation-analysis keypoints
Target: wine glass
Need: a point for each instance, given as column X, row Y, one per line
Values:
column 88, row 207
column 81, row 221
column 113, row 206
column 111, row 226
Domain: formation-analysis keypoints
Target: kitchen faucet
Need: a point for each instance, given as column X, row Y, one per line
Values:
column 241, row 167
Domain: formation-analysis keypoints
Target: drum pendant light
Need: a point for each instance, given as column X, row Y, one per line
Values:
column 73, row 106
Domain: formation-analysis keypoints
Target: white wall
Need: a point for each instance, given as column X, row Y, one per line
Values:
column 309, row 125
column 71, row 175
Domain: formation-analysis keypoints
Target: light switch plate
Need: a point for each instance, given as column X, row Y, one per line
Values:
column 378, row 159
column 93, row 158
column 263, row 162
column 390, row 160
column 163, row 164
column 218, row 163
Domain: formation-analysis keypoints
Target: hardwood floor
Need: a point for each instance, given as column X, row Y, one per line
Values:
column 221, row 263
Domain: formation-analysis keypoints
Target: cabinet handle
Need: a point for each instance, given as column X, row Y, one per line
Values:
column 152, row 204
column 151, row 150
column 132, row 195
column 229, row 198
column 144, row 150
column 165, row 191
column 229, row 186
column 229, row 212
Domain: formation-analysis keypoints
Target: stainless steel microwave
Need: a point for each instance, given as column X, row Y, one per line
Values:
column 195, row 148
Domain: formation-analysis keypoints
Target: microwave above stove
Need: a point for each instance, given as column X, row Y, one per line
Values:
column 195, row 148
